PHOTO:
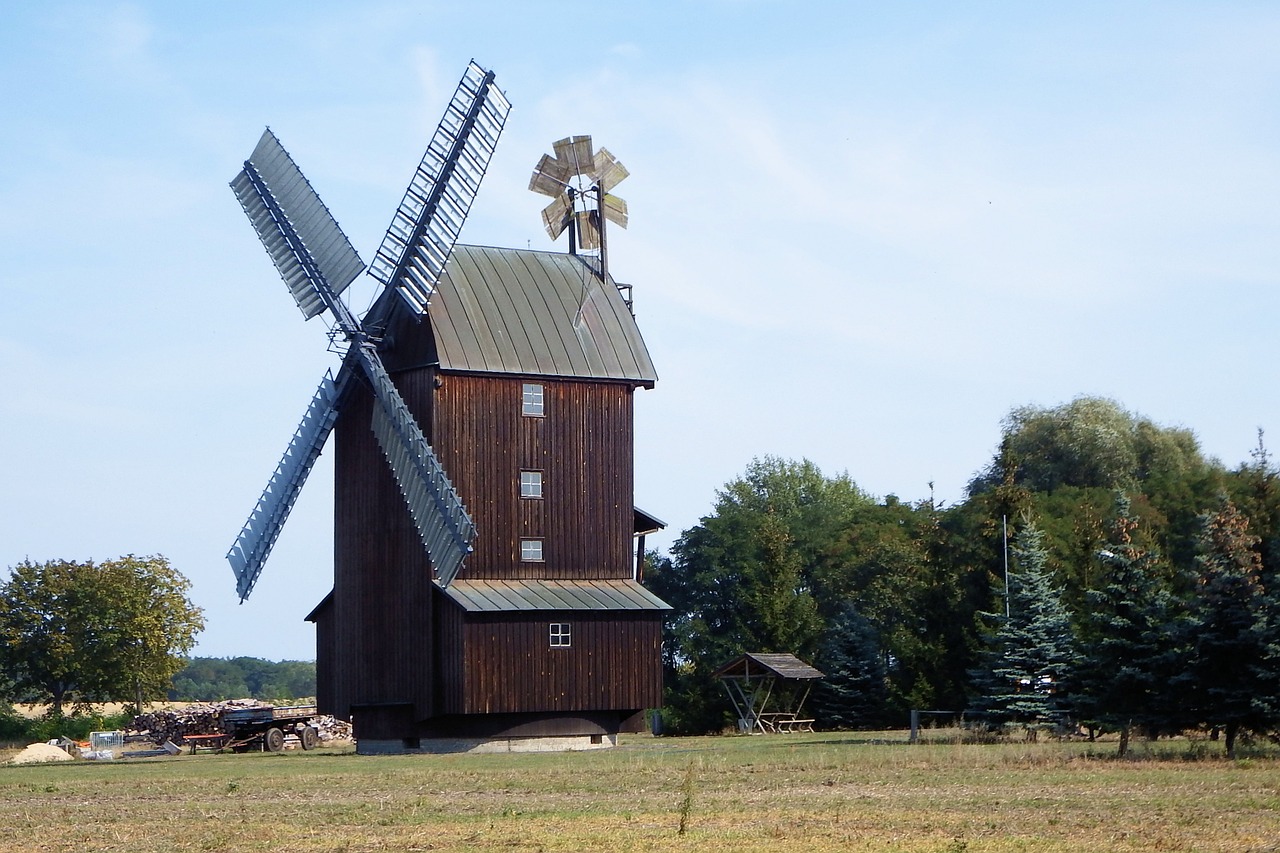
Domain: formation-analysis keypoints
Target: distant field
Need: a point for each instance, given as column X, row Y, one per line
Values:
column 811, row 792
column 32, row 712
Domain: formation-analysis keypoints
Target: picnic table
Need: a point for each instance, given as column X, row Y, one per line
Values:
column 781, row 722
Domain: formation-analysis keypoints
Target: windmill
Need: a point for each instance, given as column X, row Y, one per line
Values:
column 579, row 174
column 318, row 262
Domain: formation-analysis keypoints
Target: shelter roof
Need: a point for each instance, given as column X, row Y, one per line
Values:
column 498, row 596
column 760, row 665
column 536, row 313
column 646, row 523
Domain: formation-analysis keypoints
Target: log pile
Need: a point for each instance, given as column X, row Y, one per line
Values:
column 206, row 718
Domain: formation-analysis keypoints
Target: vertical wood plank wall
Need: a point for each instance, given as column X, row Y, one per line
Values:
column 381, row 633
column 614, row 662
column 583, row 447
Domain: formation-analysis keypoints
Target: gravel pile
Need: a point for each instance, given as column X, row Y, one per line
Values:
column 38, row 752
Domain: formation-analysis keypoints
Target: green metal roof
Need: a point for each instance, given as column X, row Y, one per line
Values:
column 536, row 313
column 497, row 596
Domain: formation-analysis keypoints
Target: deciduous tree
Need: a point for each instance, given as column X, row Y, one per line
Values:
column 92, row 632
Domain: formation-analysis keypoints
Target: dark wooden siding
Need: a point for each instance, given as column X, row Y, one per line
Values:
column 382, row 633
column 583, row 447
column 449, row 674
column 325, row 658
column 614, row 662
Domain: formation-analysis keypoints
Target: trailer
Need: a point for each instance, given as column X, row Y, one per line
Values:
column 266, row 726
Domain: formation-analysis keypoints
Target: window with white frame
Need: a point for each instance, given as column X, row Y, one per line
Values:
column 533, row 401
column 530, row 484
column 560, row 635
column 531, row 550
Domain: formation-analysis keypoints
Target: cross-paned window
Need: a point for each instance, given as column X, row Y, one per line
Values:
column 533, row 402
column 530, row 484
column 560, row 635
column 531, row 550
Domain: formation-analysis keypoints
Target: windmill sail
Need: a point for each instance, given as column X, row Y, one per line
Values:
column 426, row 225
column 297, row 230
column 248, row 555
column 317, row 262
column 442, row 521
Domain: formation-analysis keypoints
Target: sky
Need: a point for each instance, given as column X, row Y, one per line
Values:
column 860, row 234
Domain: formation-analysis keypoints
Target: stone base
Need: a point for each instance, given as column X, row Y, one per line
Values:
column 445, row 746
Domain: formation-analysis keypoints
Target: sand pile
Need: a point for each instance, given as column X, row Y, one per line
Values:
column 38, row 752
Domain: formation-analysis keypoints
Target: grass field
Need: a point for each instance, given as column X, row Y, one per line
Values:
column 811, row 792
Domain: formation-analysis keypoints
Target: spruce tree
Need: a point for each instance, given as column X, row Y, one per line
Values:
column 1230, row 622
column 1022, row 672
column 1130, row 652
column 852, row 693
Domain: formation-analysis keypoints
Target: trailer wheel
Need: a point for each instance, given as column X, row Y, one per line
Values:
column 274, row 740
column 309, row 737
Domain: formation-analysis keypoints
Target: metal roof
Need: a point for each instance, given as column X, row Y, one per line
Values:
column 535, row 313
column 645, row 523
column 499, row 596
column 759, row 665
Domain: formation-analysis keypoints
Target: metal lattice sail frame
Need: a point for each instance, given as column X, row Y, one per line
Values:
column 317, row 262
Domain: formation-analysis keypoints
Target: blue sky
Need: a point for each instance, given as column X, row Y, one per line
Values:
column 860, row 233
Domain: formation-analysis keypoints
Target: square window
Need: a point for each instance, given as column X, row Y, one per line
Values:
column 531, row 550
column 560, row 635
column 530, row 484
column 532, row 404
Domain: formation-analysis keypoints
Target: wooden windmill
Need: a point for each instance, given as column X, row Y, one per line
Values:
column 484, row 589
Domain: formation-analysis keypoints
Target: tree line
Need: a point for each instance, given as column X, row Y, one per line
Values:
column 205, row 679
column 1101, row 573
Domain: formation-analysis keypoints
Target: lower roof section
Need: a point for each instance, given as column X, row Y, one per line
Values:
column 504, row 596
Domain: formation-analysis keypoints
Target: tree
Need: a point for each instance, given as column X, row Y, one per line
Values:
column 852, row 692
column 95, row 632
column 1031, row 654
column 1089, row 442
column 1130, row 649
column 1230, row 626
column 743, row 580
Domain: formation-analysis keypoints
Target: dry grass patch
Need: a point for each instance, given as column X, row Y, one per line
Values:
column 794, row 793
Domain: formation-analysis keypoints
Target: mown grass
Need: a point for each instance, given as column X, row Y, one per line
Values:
column 819, row 792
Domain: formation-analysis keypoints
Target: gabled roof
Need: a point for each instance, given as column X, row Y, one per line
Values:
column 535, row 313
column 500, row 596
column 759, row 665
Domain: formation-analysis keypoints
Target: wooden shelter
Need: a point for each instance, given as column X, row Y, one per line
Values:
column 756, row 679
column 521, row 376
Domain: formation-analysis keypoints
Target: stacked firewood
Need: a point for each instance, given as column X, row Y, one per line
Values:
column 174, row 723
column 331, row 728
column 206, row 718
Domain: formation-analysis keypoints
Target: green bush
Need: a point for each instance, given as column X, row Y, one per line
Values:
column 16, row 729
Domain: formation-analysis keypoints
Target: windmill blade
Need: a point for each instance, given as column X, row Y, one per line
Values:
column 442, row 521
column 422, row 233
column 249, row 553
column 297, row 230
column 557, row 216
column 588, row 229
column 615, row 210
column 576, row 155
column 607, row 171
column 550, row 176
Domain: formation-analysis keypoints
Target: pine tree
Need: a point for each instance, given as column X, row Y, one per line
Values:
column 1020, row 678
column 1130, row 649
